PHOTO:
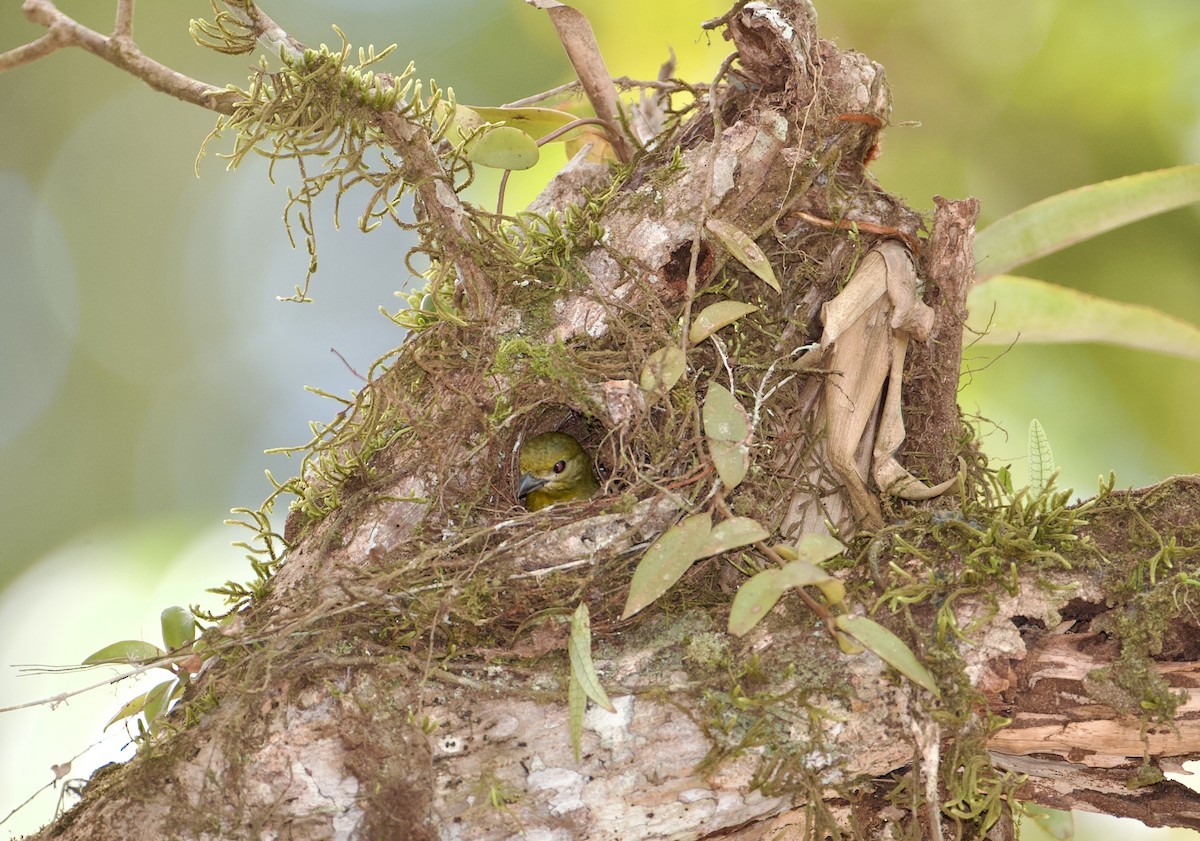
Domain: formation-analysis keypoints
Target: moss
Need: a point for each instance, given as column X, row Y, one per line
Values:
column 707, row 651
column 1132, row 685
column 1145, row 776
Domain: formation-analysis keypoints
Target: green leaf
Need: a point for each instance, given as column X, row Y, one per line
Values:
column 832, row 589
column 1041, row 458
column 576, row 709
column 131, row 707
column 579, row 646
column 815, row 549
column 734, row 532
column 744, row 249
column 731, row 460
column 818, row 548
column 461, row 124
column 756, row 597
column 159, row 699
column 754, row 600
column 153, row 703
column 1008, row 308
column 663, row 369
column 130, row 652
column 667, row 559
column 503, row 147
column 1067, row 218
column 715, row 316
column 801, row 573
column 178, row 627
column 889, row 648
column 727, row 427
column 536, row 122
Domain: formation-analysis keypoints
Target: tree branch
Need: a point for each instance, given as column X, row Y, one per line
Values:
column 123, row 28
column 271, row 35
column 117, row 49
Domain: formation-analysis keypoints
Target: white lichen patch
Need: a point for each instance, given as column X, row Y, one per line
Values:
column 774, row 17
column 564, row 786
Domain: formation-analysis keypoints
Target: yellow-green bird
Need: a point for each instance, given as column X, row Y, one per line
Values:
column 554, row 468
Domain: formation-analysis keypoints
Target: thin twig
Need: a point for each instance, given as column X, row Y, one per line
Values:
column 421, row 166
column 123, row 29
column 55, row 700
column 118, row 49
column 345, row 362
column 538, row 97
column 853, row 224
column 32, row 51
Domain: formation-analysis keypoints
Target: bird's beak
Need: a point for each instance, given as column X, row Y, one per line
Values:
column 529, row 483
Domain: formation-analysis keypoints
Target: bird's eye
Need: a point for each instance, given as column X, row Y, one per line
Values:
column 560, row 467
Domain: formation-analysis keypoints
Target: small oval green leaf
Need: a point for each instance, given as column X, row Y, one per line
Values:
column 129, row 652
column 889, row 648
column 663, row 369
column 754, row 600
column 731, row 460
column 459, row 125
column 801, row 573
column 734, row 532
column 757, row 596
column 724, row 417
column 178, row 627
column 536, row 122
column 715, row 316
column 503, row 147
column 667, row 559
column 818, row 548
column 745, row 249
column 727, row 427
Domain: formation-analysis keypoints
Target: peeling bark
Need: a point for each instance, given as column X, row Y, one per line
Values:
column 934, row 427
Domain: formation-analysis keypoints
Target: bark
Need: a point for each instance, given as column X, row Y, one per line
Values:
column 404, row 675
column 932, row 420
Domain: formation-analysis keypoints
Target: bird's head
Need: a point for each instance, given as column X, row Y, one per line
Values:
column 554, row 468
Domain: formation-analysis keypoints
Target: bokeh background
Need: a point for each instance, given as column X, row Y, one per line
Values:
column 145, row 363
